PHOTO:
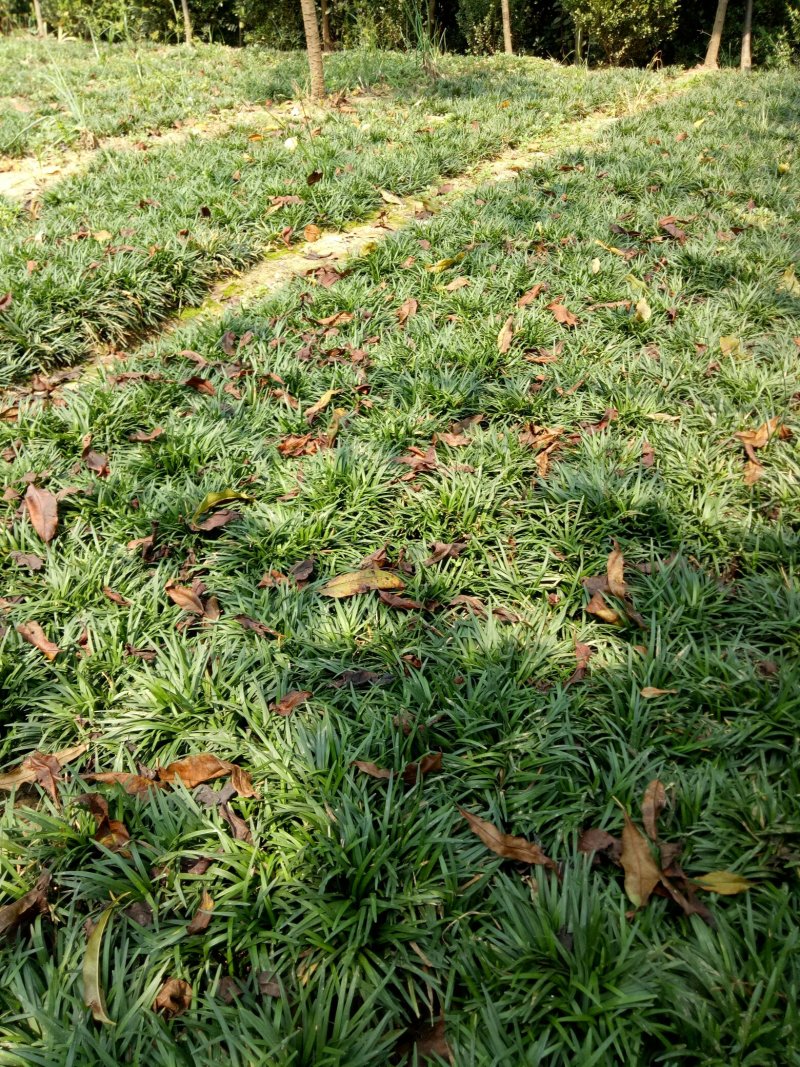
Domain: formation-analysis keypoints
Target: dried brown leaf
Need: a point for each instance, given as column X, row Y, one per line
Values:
column 642, row 874
column 174, row 998
column 42, row 508
column 35, row 635
column 655, row 797
column 507, row 845
column 287, row 704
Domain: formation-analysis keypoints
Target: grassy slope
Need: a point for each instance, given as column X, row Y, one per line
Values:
column 368, row 900
column 178, row 217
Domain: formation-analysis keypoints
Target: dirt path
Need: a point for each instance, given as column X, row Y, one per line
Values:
column 335, row 248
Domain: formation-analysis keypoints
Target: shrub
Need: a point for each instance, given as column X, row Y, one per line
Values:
column 626, row 30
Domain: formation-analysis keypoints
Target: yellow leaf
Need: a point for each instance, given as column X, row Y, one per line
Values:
column 731, row 346
column 594, row 266
column 320, row 405
column 391, row 198
column 214, row 500
column 651, row 691
column 363, row 581
column 103, row 236
column 609, row 248
column 698, row 123
column 784, row 168
column 92, row 993
column 726, row 883
column 643, row 311
column 790, row 283
column 443, row 264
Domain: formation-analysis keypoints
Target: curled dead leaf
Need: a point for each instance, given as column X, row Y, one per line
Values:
column 174, row 998
column 35, row 635
column 655, row 797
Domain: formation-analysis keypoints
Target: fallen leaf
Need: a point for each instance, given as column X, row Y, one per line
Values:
column 600, row 607
column 456, row 283
column 655, row 797
column 312, row 233
column 726, row 883
column 592, row 841
column 200, row 385
column 563, row 315
column 753, row 472
column 320, row 405
column 35, row 635
column 615, row 568
column 115, row 597
column 145, row 436
column 372, row 769
column 422, row 1042
column 441, row 550
column 27, row 559
column 292, row 700
column 583, row 653
column 531, row 295
column 42, row 508
column 110, row 833
column 257, row 627
column 185, row 598
column 400, row 603
column 26, row 907
column 650, row 691
column 643, row 312
column 752, row 439
column 642, row 874
column 507, row 845
column 193, row 770
column 363, row 581
column 202, row 916
column 362, row 679
column 30, row 769
column 133, row 784
column 406, row 310
column 391, row 198
column 92, row 991
column 174, row 998
column 211, row 501
column 506, row 335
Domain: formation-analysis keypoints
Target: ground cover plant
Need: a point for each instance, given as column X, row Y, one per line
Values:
column 57, row 94
column 506, row 541
column 114, row 251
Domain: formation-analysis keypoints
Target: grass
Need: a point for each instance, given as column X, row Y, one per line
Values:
column 143, row 233
column 369, row 903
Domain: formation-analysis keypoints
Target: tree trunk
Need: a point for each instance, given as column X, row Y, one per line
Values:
column 712, row 55
column 507, row 45
column 187, row 22
column 746, row 62
column 314, row 48
column 327, row 40
column 578, row 45
column 432, row 19
column 41, row 25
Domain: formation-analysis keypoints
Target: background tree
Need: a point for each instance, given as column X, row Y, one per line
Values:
column 187, row 22
column 327, row 39
column 712, row 54
column 314, row 48
column 507, row 44
column 41, row 25
column 746, row 61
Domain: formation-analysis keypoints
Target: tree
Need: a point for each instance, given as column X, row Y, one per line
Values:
column 41, row 25
column 712, row 55
column 746, row 61
column 187, row 22
column 507, row 45
column 327, row 40
column 313, row 47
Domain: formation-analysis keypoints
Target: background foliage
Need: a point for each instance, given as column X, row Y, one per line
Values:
column 617, row 30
